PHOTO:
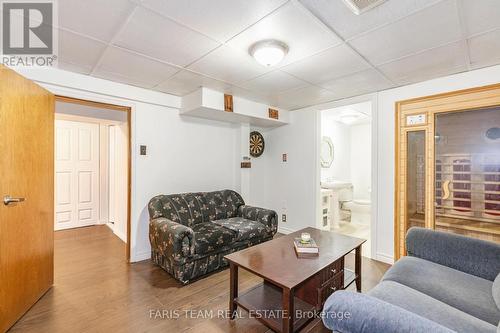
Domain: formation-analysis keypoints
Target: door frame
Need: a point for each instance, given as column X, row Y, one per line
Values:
column 454, row 101
column 374, row 218
column 128, row 110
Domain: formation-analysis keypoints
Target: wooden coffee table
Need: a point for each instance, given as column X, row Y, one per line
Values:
column 293, row 287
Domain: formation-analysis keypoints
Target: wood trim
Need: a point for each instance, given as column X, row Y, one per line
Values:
column 396, row 183
column 122, row 108
column 129, row 187
column 228, row 103
column 450, row 94
column 273, row 113
column 79, row 101
column 455, row 101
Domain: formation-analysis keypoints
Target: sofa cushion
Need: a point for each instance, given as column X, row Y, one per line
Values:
column 495, row 290
column 466, row 292
column 220, row 205
column 430, row 308
column 244, row 229
column 184, row 208
column 193, row 208
column 209, row 236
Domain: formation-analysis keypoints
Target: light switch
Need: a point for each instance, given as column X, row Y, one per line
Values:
column 143, row 150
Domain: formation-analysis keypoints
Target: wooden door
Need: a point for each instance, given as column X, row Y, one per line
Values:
column 76, row 174
column 27, row 171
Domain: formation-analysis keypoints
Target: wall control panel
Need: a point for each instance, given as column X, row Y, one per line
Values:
column 416, row 119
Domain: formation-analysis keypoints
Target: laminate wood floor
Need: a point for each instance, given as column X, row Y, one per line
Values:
column 95, row 290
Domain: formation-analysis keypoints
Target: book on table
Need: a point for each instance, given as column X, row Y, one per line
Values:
column 309, row 248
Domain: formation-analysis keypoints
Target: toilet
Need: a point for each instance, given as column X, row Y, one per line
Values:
column 360, row 211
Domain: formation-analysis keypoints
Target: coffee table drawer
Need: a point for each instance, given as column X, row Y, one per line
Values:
column 332, row 270
column 335, row 284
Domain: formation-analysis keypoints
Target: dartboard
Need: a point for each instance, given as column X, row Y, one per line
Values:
column 256, row 144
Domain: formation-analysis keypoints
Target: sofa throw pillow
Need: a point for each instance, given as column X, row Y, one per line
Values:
column 496, row 291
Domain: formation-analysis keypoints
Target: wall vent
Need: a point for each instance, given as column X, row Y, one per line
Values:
column 361, row 6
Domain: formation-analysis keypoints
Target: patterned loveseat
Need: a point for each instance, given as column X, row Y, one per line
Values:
column 190, row 233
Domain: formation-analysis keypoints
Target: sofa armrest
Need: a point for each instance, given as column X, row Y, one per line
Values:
column 466, row 254
column 266, row 216
column 351, row 312
column 171, row 239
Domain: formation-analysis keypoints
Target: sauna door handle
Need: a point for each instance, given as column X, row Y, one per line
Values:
column 446, row 189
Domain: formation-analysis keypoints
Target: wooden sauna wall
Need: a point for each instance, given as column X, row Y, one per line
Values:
column 460, row 138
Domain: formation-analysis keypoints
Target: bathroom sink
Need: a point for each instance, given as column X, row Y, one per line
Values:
column 335, row 185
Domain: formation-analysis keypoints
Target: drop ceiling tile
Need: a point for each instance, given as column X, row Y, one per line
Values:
column 327, row 65
column 229, row 65
column 219, row 19
column 70, row 51
column 429, row 28
column 480, row 16
column 249, row 94
column 293, row 25
column 73, row 68
column 273, row 82
column 485, row 49
column 126, row 67
column 95, row 18
column 184, row 82
column 343, row 21
column 153, row 35
column 302, row 97
column 357, row 84
column 445, row 60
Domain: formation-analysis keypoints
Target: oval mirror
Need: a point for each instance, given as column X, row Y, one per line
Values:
column 326, row 155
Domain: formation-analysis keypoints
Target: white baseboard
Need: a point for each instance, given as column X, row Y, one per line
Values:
column 121, row 235
column 384, row 258
column 285, row 230
column 140, row 256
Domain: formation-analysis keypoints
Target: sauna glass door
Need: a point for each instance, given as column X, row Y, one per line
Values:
column 467, row 173
column 415, row 182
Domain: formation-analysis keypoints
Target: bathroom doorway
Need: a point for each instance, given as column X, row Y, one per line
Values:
column 346, row 171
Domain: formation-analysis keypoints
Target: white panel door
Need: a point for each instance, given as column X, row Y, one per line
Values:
column 76, row 174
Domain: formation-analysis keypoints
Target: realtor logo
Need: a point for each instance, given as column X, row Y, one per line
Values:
column 28, row 33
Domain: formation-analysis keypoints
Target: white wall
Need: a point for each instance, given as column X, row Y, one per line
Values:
column 181, row 158
column 361, row 158
column 352, row 150
column 294, row 186
column 118, row 171
column 340, row 134
column 184, row 154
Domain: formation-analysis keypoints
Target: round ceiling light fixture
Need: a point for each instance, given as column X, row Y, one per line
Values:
column 268, row 52
column 349, row 118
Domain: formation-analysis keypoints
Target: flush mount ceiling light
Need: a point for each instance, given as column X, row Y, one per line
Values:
column 349, row 118
column 268, row 52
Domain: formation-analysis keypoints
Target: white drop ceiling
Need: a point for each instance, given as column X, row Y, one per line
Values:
column 177, row 46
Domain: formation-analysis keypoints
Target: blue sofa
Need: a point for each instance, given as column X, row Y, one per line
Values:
column 447, row 283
